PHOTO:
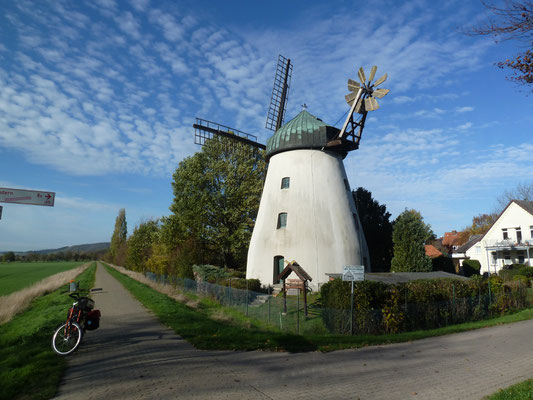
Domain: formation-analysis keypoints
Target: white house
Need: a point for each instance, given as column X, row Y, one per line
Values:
column 508, row 241
column 307, row 213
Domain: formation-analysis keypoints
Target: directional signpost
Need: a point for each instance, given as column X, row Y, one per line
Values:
column 30, row 197
column 21, row 196
column 353, row 273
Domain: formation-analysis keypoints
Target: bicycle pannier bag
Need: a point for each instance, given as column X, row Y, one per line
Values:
column 85, row 304
column 93, row 320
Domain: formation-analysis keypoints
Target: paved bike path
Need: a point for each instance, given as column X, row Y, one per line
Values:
column 133, row 356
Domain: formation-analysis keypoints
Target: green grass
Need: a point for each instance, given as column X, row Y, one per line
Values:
column 520, row 391
column 17, row 275
column 29, row 369
column 196, row 326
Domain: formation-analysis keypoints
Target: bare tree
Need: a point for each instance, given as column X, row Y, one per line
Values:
column 523, row 191
column 512, row 21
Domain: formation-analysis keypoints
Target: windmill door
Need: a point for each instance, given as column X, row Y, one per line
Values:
column 279, row 264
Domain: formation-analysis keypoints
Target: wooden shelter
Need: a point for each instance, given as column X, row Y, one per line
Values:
column 301, row 284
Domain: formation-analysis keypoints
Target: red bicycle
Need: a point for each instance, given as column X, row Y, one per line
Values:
column 81, row 317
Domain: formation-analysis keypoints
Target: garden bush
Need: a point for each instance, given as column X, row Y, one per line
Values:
column 508, row 272
column 524, row 280
column 443, row 263
column 420, row 304
column 471, row 267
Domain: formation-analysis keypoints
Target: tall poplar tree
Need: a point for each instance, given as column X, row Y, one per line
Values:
column 409, row 236
column 117, row 248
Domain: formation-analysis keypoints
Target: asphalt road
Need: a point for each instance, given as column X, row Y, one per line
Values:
column 133, row 356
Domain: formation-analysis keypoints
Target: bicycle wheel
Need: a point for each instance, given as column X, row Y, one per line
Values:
column 66, row 339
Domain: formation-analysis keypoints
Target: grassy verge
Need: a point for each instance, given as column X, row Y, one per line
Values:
column 197, row 326
column 29, row 369
column 520, row 391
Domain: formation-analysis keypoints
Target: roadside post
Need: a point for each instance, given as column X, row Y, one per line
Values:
column 353, row 273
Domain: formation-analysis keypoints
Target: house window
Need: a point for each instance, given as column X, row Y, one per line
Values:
column 531, row 231
column 518, row 235
column 282, row 220
column 279, row 264
column 347, row 185
column 507, row 257
column 505, row 234
column 521, row 257
column 478, row 249
column 285, row 182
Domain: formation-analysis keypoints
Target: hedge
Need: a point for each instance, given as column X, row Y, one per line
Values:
column 420, row 304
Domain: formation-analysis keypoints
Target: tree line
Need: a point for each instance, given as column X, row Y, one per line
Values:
column 11, row 256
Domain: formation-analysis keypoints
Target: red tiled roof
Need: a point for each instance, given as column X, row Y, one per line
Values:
column 450, row 238
column 431, row 251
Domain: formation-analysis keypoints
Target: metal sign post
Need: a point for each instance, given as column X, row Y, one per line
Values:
column 353, row 273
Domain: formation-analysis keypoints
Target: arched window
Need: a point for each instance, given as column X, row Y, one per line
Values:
column 282, row 220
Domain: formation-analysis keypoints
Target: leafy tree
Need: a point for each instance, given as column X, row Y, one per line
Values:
column 514, row 21
column 9, row 256
column 409, row 235
column 117, row 249
column 216, row 198
column 377, row 229
column 140, row 244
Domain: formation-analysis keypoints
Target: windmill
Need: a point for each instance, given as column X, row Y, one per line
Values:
column 205, row 131
column 307, row 212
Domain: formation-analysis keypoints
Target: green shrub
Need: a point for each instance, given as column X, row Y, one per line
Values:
column 210, row 273
column 508, row 272
column 443, row 263
column 471, row 267
column 496, row 283
column 253, row 285
column 420, row 304
column 526, row 271
column 522, row 279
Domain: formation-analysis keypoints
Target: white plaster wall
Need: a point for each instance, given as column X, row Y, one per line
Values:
column 321, row 233
column 513, row 217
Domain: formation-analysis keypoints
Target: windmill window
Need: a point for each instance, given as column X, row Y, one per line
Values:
column 285, row 182
column 282, row 220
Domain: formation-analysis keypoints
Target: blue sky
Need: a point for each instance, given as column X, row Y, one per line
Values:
column 98, row 98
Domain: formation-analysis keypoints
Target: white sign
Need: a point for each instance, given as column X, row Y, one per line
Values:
column 21, row 196
column 353, row 273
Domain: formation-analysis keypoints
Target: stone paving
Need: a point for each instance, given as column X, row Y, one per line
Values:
column 133, row 356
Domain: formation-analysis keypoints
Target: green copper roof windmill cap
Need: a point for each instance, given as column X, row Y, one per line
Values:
column 305, row 131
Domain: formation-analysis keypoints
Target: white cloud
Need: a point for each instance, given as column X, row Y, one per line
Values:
column 464, row 109
column 465, row 126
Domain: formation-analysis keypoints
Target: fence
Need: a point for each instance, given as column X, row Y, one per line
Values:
column 289, row 314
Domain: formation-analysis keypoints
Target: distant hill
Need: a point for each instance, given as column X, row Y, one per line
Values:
column 79, row 248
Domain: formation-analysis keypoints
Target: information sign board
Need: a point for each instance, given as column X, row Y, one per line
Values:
column 353, row 273
column 22, row 196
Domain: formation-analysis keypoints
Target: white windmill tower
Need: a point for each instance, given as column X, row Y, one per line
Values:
column 307, row 213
